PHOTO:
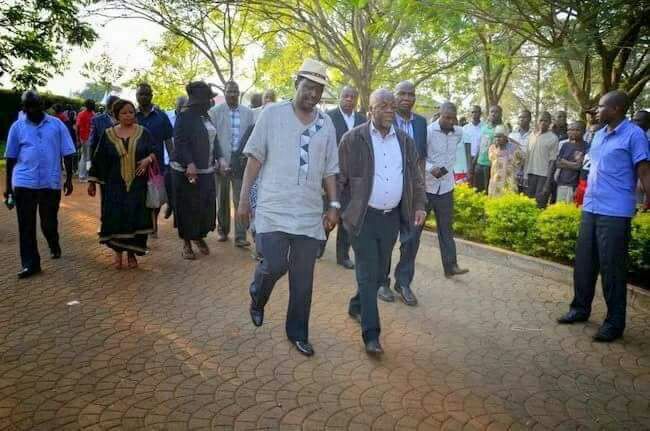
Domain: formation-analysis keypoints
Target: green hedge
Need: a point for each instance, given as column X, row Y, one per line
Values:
column 10, row 105
column 514, row 222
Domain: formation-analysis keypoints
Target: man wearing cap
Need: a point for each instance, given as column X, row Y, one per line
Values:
column 232, row 120
column 291, row 153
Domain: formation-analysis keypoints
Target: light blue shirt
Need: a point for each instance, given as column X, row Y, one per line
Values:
column 405, row 125
column 38, row 149
column 612, row 178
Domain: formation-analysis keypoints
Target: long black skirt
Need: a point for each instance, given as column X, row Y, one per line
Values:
column 195, row 206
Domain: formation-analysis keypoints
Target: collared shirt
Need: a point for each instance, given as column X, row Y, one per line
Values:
column 157, row 123
column 441, row 152
column 388, row 182
column 521, row 137
column 472, row 135
column 542, row 148
column 235, row 128
column 487, row 137
column 38, row 149
column 288, row 198
column 349, row 119
column 84, row 119
column 405, row 124
column 611, row 184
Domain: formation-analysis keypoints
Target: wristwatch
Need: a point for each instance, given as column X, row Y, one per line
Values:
column 335, row 204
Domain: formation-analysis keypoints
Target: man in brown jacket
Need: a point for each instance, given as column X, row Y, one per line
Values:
column 381, row 184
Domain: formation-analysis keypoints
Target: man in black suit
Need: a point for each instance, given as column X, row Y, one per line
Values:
column 415, row 126
column 344, row 118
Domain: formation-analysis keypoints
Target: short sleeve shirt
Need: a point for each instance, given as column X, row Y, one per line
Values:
column 38, row 149
column 157, row 123
column 612, row 179
column 295, row 159
column 571, row 153
column 542, row 148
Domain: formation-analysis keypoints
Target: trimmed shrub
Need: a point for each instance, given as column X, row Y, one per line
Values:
column 640, row 244
column 469, row 213
column 556, row 232
column 510, row 222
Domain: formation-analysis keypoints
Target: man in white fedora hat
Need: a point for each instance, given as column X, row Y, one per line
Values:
column 293, row 151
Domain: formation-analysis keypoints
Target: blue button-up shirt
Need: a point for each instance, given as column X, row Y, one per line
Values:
column 38, row 149
column 235, row 128
column 157, row 123
column 405, row 125
column 612, row 178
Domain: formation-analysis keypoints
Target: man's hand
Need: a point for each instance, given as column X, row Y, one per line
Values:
column 420, row 217
column 330, row 219
column 92, row 190
column 243, row 213
column 67, row 187
column 191, row 173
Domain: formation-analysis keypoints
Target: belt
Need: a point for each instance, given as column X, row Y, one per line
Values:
column 382, row 212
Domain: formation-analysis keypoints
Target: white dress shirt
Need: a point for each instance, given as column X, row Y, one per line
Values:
column 349, row 119
column 441, row 152
column 521, row 137
column 472, row 134
column 388, row 183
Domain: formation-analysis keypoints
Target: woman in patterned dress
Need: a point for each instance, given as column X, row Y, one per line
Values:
column 505, row 160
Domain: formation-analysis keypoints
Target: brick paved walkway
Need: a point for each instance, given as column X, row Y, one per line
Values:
column 171, row 346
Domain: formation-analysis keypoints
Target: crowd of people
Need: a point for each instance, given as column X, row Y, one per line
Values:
column 297, row 172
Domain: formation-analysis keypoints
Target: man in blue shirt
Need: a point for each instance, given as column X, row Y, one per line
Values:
column 619, row 154
column 35, row 146
column 157, row 123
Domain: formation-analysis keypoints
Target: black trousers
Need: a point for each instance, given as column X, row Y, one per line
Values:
column 535, row 189
column 28, row 203
column 372, row 249
column 283, row 252
column 602, row 247
column 481, row 177
column 443, row 209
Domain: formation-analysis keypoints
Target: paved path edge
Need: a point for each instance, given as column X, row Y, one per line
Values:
column 637, row 297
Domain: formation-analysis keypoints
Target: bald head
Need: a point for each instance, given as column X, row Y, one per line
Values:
column 382, row 109
column 612, row 107
column 381, row 95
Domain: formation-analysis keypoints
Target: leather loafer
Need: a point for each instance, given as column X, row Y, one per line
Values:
column 572, row 317
column 607, row 335
column 347, row 264
column 406, row 295
column 355, row 315
column 304, row 347
column 385, row 294
column 257, row 314
column 374, row 348
column 456, row 270
column 28, row 272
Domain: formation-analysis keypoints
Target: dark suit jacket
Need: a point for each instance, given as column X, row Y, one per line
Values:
column 419, row 124
column 339, row 122
column 357, row 171
column 192, row 142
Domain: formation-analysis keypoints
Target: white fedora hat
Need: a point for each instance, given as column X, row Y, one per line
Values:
column 314, row 70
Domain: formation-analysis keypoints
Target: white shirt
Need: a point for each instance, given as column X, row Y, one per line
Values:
column 349, row 119
column 441, row 152
column 472, row 134
column 521, row 137
column 388, row 182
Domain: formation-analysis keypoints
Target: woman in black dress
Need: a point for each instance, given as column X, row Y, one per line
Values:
column 195, row 160
column 120, row 164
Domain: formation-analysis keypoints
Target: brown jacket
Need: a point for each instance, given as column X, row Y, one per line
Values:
column 357, row 170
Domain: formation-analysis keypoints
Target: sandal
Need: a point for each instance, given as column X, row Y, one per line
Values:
column 188, row 253
column 133, row 262
column 202, row 246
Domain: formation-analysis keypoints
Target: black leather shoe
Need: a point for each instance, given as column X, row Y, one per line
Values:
column 304, row 347
column 406, row 295
column 385, row 294
column 355, row 315
column 257, row 314
column 374, row 348
column 572, row 317
column 347, row 264
column 55, row 253
column 456, row 270
column 28, row 272
column 607, row 335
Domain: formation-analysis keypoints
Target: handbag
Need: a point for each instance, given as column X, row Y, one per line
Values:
column 156, row 193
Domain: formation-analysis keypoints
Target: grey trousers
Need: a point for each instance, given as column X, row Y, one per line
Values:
column 223, row 205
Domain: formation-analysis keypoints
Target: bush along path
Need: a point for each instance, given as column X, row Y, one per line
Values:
column 515, row 223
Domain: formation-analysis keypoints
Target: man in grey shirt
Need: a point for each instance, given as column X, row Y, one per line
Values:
column 293, row 150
